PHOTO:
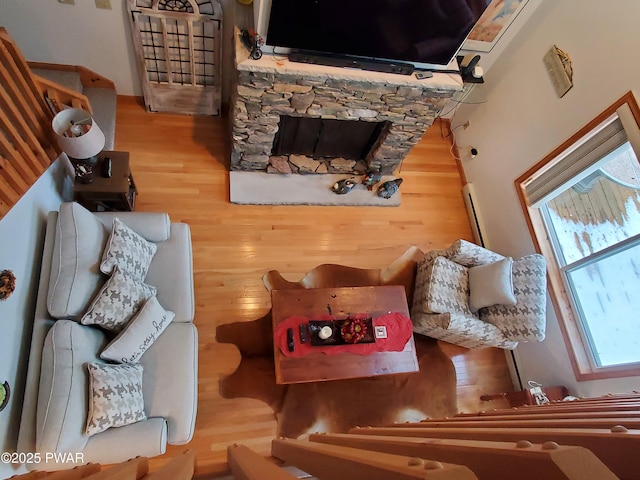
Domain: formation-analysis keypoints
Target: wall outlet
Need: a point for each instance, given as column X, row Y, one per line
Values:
column 105, row 4
column 68, row 2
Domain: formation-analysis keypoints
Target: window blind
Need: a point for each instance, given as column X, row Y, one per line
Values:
column 575, row 164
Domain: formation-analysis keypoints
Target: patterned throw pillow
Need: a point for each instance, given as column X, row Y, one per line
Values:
column 471, row 255
column 115, row 396
column 128, row 251
column 139, row 334
column 117, row 302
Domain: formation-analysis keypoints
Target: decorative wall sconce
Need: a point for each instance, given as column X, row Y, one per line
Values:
column 7, row 284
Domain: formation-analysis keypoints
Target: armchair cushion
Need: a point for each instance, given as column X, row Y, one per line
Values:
column 526, row 320
column 448, row 287
column 491, row 284
column 470, row 255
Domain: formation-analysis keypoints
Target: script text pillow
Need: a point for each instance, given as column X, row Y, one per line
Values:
column 117, row 302
column 115, row 396
column 139, row 334
column 491, row 284
column 128, row 251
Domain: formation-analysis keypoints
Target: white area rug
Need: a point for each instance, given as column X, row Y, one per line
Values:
column 258, row 188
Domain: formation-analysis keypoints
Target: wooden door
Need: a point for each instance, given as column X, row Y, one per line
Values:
column 177, row 44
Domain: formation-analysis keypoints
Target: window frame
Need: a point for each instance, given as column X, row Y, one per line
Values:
column 582, row 361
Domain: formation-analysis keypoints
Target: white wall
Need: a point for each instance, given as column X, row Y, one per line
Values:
column 523, row 120
column 21, row 241
column 81, row 34
column 488, row 59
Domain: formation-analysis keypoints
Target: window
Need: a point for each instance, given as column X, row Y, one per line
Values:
column 583, row 207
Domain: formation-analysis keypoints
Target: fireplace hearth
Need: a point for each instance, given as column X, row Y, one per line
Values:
column 329, row 109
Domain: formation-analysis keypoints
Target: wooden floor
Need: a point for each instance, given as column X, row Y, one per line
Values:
column 180, row 166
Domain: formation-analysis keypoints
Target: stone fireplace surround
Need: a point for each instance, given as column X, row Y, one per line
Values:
column 265, row 89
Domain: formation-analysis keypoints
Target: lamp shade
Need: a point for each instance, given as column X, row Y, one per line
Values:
column 77, row 134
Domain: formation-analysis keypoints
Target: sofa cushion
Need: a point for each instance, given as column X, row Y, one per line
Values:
column 75, row 274
column 128, row 251
column 139, row 334
column 526, row 320
column 117, row 302
column 172, row 273
column 115, row 396
column 170, row 381
column 491, row 284
column 152, row 226
column 62, row 393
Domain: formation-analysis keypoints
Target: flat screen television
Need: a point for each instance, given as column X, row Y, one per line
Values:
column 425, row 33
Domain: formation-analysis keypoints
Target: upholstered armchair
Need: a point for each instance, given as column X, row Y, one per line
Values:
column 473, row 297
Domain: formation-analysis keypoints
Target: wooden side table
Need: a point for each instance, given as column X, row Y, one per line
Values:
column 117, row 193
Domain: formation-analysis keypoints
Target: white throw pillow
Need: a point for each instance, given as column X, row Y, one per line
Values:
column 139, row 334
column 491, row 284
column 128, row 251
column 115, row 396
column 117, row 302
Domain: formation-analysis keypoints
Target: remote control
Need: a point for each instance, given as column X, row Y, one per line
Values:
column 106, row 167
column 423, row 75
column 290, row 344
column 303, row 333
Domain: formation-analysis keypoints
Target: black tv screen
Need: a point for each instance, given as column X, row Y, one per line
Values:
column 417, row 31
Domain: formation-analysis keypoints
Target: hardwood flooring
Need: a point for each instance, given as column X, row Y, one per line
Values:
column 180, row 163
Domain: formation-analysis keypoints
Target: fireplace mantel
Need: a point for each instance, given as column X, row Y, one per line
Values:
column 272, row 86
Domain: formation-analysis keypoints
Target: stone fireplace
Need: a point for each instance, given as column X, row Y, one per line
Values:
column 393, row 113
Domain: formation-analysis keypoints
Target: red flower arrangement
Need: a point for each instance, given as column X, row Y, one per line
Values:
column 353, row 330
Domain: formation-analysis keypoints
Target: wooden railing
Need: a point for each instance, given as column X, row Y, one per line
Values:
column 27, row 106
column 553, row 441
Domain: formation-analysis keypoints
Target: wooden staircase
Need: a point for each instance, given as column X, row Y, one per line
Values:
column 28, row 103
column 553, row 441
column 99, row 91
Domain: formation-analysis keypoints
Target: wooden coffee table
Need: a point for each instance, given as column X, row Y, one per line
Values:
column 318, row 367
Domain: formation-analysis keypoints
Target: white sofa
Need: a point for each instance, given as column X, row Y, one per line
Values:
column 56, row 397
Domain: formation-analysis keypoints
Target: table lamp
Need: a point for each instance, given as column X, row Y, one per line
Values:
column 78, row 136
